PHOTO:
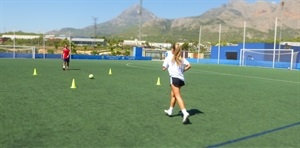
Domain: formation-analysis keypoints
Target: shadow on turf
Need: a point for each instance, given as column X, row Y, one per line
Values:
column 74, row 69
column 192, row 112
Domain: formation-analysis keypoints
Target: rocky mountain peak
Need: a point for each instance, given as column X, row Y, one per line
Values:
column 132, row 16
column 259, row 17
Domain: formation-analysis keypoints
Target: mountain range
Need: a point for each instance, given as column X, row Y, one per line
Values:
column 258, row 18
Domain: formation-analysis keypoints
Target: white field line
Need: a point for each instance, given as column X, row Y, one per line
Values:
column 244, row 76
column 218, row 73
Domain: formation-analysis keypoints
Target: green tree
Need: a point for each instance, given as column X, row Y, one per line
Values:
column 56, row 46
column 50, row 51
column 94, row 52
column 185, row 46
column 64, row 42
column 126, row 53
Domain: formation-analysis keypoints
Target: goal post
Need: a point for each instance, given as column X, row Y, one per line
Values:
column 273, row 58
column 9, row 51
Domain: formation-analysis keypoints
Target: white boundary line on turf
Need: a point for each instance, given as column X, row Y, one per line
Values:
column 219, row 73
column 227, row 74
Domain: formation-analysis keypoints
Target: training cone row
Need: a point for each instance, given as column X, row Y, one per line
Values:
column 158, row 81
column 73, row 84
column 34, row 72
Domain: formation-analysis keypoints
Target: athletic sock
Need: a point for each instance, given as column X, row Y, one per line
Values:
column 184, row 112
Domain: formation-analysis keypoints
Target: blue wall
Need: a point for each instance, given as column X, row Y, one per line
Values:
column 137, row 51
column 75, row 56
column 224, row 49
column 261, row 60
column 137, row 55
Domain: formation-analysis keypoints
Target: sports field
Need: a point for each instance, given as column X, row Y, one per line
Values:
column 230, row 106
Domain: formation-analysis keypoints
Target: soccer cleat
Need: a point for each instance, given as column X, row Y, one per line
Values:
column 63, row 68
column 168, row 112
column 185, row 118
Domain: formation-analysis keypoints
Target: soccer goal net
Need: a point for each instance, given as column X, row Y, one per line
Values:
column 9, row 51
column 274, row 58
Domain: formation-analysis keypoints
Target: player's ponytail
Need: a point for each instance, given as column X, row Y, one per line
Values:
column 176, row 54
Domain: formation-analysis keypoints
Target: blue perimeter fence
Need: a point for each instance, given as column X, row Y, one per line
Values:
column 75, row 56
column 191, row 60
column 284, row 65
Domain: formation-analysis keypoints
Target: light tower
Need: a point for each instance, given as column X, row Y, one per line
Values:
column 281, row 20
column 95, row 29
column 281, row 25
column 140, row 19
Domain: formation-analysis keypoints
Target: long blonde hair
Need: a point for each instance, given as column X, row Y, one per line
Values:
column 176, row 49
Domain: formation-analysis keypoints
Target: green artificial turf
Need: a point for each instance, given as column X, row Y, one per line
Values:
column 125, row 109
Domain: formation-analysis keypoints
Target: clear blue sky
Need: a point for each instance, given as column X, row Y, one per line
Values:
column 41, row 16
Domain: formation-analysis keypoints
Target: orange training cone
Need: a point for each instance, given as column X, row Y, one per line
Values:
column 158, row 81
column 73, row 84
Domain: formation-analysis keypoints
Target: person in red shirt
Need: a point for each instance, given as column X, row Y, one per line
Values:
column 65, row 56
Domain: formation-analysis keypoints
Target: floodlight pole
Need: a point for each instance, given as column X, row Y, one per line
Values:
column 219, row 44
column 70, row 40
column 244, row 43
column 199, row 44
column 140, row 20
column 274, row 42
column 14, row 55
column 95, row 29
column 281, row 21
column 44, row 45
column 244, row 37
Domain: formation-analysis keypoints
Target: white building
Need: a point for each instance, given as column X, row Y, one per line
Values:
column 156, row 45
column 78, row 41
column 290, row 43
column 87, row 41
column 133, row 42
column 20, row 36
column 161, row 45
